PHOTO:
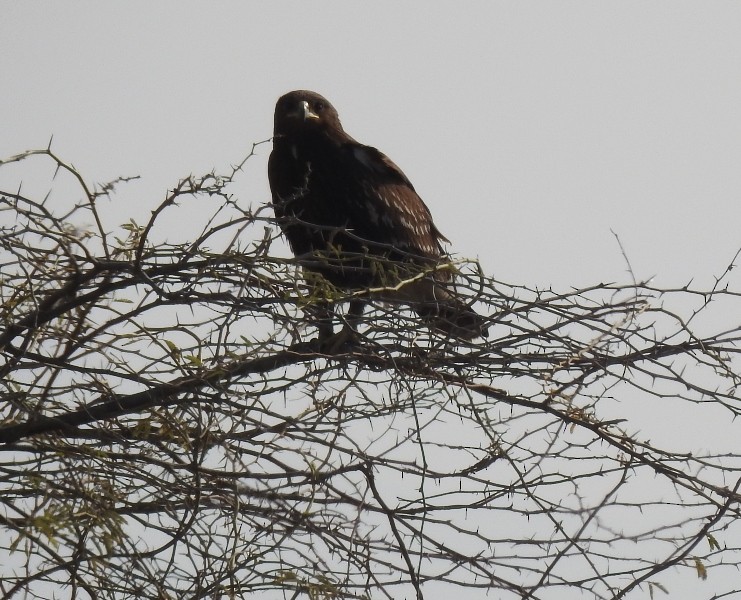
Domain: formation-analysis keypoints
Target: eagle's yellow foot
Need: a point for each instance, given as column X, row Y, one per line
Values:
column 339, row 342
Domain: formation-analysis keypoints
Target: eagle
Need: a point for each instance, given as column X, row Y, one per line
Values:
column 352, row 216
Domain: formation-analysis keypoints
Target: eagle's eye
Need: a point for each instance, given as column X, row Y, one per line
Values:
column 319, row 106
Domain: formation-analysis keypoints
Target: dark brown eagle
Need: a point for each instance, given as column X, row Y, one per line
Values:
column 351, row 214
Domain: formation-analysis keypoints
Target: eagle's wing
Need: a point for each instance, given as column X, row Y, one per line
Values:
column 386, row 208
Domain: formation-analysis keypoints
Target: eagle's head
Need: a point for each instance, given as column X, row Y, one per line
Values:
column 302, row 112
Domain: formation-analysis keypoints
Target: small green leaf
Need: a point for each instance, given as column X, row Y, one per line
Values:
column 194, row 360
column 652, row 585
column 702, row 572
column 174, row 351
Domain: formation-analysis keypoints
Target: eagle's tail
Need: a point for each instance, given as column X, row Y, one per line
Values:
column 454, row 318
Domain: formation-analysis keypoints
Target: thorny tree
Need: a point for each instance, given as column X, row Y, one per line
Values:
column 170, row 430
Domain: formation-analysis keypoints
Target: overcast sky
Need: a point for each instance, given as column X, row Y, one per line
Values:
column 531, row 129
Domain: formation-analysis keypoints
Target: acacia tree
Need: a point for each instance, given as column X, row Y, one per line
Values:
column 170, row 429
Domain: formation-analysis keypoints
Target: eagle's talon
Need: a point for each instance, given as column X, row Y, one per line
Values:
column 341, row 342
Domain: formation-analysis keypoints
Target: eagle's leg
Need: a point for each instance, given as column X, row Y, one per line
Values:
column 324, row 313
column 348, row 335
column 354, row 314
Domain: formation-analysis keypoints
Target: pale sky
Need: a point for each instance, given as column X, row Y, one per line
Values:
column 531, row 129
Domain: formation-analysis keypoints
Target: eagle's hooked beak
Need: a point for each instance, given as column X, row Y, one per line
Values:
column 303, row 112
